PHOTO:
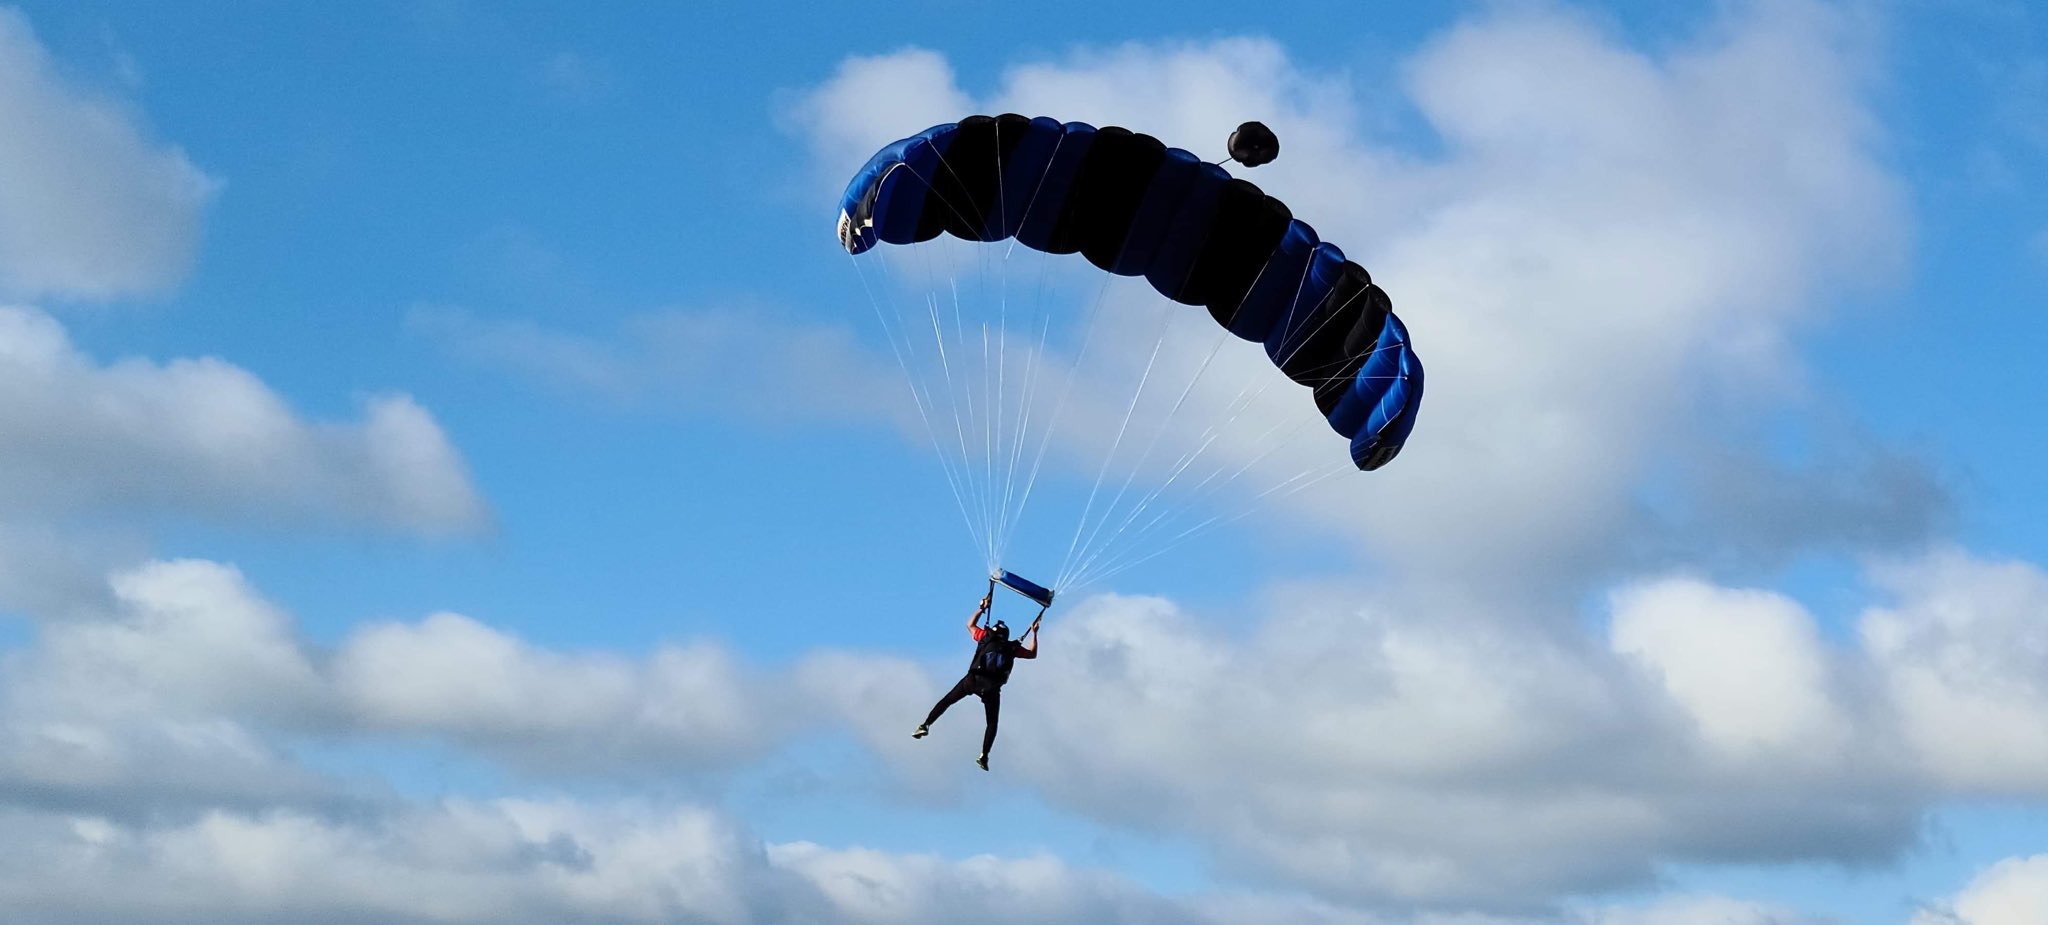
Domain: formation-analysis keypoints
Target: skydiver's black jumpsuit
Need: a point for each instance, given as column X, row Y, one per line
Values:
column 993, row 658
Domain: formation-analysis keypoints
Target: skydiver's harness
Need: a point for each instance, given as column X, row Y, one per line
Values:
column 992, row 658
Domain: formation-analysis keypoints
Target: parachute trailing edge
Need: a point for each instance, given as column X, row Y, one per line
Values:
column 1133, row 206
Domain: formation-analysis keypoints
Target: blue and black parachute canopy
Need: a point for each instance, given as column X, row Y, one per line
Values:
column 1135, row 207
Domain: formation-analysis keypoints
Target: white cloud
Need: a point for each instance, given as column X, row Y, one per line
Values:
column 187, row 639
column 190, row 661
column 90, row 205
column 1704, row 910
column 2011, row 892
column 1448, row 761
column 1452, row 762
column 449, row 676
column 518, row 861
column 871, row 101
column 1963, row 654
column 204, row 436
column 53, row 573
column 1747, row 666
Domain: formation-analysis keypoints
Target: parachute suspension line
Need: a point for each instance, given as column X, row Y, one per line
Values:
column 1027, row 404
column 922, row 385
column 1208, row 437
column 1169, row 516
column 1025, row 392
column 979, row 407
column 988, row 431
column 1244, row 399
column 974, row 420
column 1040, row 185
column 1030, row 408
column 1066, row 389
column 1301, row 480
column 1090, row 549
column 990, row 404
column 963, row 421
column 1303, row 341
column 920, row 375
column 1313, row 478
column 953, row 401
column 916, row 395
column 996, row 404
column 1059, row 584
column 1013, row 516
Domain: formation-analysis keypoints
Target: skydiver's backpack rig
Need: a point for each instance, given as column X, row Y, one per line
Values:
column 992, row 657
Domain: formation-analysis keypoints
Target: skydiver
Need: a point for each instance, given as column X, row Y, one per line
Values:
column 994, row 655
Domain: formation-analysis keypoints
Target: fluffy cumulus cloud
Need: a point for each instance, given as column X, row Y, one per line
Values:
column 1746, row 667
column 204, row 436
column 1603, row 257
column 190, row 646
column 1359, row 754
column 90, row 205
column 154, row 696
column 1373, row 762
column 680, row 708
column 1963, row 652
column 1705, row 910
column 519, row 861
column 143, row 749
column 2012, row 892
column 870, row 101
column 1371, row 759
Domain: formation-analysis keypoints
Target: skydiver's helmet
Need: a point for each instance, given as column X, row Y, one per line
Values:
column 1001, row 629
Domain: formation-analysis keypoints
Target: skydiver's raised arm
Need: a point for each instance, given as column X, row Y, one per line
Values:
column 974, row 622
column 1030, row 651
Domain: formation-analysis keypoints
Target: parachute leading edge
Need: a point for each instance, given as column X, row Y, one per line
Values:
column 1135, row 207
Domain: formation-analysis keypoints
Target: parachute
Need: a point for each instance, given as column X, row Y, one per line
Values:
column 1134, row 207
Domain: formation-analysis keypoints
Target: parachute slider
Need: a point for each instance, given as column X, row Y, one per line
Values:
column 1036, row 592
column 1253, row 144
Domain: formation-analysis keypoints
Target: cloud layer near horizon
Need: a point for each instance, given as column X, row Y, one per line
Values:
column 1339, row 749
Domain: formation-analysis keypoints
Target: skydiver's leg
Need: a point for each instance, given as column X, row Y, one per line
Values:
column 961, row 689
column 992, row 705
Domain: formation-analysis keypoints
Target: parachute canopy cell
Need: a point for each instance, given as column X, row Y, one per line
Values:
column 1134, row 207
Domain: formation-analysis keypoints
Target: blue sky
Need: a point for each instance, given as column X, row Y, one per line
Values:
column 402, row 482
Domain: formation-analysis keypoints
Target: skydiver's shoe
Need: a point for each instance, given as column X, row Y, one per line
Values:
column 982, row 761
column 921, row 731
